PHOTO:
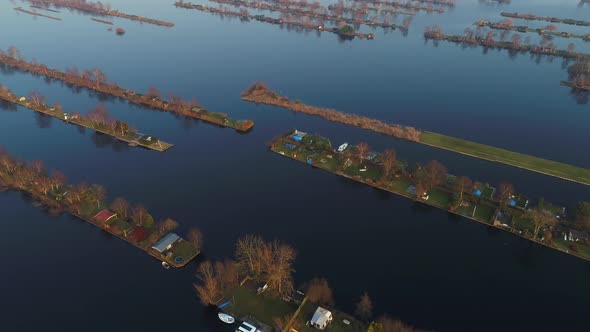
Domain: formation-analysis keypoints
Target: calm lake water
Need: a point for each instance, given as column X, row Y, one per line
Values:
column 428, row 268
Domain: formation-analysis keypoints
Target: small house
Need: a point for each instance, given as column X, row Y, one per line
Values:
column 503, row 219
column 575, row 235
column 321, row 318
column 166, row 242
column 105, row 216
column 22, row 99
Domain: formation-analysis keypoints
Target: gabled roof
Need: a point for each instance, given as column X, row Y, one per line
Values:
column 165, row 242
column 321, row 316
column 104, row 216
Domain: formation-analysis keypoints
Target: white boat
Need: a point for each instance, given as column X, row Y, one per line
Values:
column 364, row 169
column 165, row 265
column 226, row 318
column 342, row 147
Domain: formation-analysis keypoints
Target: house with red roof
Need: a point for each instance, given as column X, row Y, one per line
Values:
column 105, row 216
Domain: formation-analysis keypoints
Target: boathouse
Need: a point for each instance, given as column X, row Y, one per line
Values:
column 105, row 216
column 321, row 318
column 166, row 242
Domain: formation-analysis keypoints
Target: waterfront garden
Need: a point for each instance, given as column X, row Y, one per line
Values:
column 133, row 224
column 502, row 207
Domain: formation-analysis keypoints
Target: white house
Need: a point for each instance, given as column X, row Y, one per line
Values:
column 321, row 318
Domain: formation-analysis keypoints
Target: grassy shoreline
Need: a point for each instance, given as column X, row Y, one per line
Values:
column 260, row 94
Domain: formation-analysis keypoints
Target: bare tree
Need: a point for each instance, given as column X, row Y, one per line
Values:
column 462, row 184
column 540, row 219
column 389, row 324
column 364, row 308
column 195, row 237
column 318, row 291
column 168, row 225
column 389, row 162
column 139, row 214
column 362, row 149
column 248, row 249
column 505, row 192
column 280, row 272
column 121, row 207
column 209, row 290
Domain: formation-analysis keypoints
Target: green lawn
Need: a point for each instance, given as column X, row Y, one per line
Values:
column 484, row 213
column 583, row 249
column 263, row 307
column 439, row 198
column 184, row 249
column 336, row 326
column 487, row 152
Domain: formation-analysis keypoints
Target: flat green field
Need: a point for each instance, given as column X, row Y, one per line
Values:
column 544, row 166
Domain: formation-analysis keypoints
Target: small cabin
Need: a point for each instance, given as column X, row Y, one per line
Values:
column 321, row 318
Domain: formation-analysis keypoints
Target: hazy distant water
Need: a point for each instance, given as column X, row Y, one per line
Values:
column 422, row 265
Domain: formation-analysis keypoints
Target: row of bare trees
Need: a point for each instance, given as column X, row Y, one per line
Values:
column 260, row 93
column 81, row 199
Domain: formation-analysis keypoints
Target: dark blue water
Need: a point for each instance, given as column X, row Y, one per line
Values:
column 422, row 265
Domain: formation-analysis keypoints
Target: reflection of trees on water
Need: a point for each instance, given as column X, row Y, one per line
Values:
column 580, row 96
column 8, row 106
column 43, row 121
column 104, row 141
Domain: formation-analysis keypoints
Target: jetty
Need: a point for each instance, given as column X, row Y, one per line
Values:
column 532, row 17
column 294, row 21
column 105, row 125
column 22, row 10
column 524, row 29
column 99, row 9
column 259, row 93
column 95, row 80
column 101, row 21
column 88, row 203
column 507, row 211
column 513, row 46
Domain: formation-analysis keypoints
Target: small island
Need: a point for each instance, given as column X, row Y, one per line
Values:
column 98, row 120
column 502, row 207
column 134, row 225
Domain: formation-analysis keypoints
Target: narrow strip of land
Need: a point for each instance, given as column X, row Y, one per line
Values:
column 95, row 80
column 432, row 186
column 261, row 94
column 99, row 9
column 321, row 13
column 406, row 5
column 101, row 122
column 101, row 21
column 346, row 31
column 514, row 46
column 532, row 17
column 20, row 9
column 521, row 28
column 45, row 9
column 132, row 225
